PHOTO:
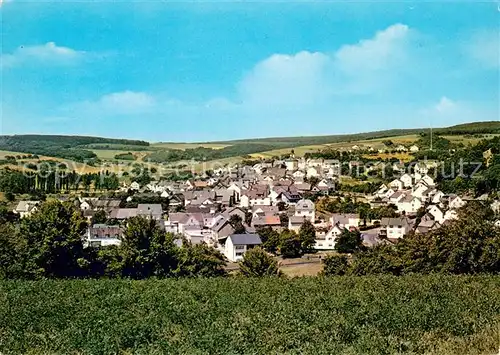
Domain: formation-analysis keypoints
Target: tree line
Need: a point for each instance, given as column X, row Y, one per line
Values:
column 468, row 245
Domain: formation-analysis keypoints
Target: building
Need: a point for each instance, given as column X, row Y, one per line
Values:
column 395, row 228
column 236, row 245
column 100, row 235
column 306, row 210
column 26, row 208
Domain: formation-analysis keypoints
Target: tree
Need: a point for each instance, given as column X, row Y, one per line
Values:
column 237, row 223
column 257, row 263
column 53, row 237
column 281, row 206
column 307, row 236
column 147, row 250
column 290, row 245
column 349, row 241
column 200, row 260
column 270, row 239
column 335, row 265
column 100, row 217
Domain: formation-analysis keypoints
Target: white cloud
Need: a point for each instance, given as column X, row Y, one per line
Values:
column 313, row 77
column 445, row 105
column 49, row 53
column 118, row 103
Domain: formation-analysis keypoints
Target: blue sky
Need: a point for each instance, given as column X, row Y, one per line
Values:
column 199, row 71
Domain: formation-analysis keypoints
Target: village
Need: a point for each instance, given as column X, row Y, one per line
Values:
column 278, row 195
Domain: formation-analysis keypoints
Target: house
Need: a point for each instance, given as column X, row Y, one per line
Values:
column 236, row 245
column 135, row 186
column 123, row 213
column 101, row 235
column 327, row 241
column 436, row 213
column 26, row 208
column 151, row 211
column 255, row 197
column 421, row 168
column 414, row 148
column 456, row 202
column 497, row 223
column 427, row 223
column 345, row 220
column 291, row 164
column 299, row 175
column 397, row 184
column 268, row 220
column 407, row 180
column 313, row 172
column 395, row 228
column 227, row 213
column 305, row 209
column 401, row 148
column 495, row 206
column 259, row 211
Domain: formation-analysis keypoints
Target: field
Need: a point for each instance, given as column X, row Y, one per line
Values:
column 364, row 315
column 183, row 146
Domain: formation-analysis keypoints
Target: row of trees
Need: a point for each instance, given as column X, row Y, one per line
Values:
column 288, row 243
column 49, row 244
column 17, row 182
column 468, row 245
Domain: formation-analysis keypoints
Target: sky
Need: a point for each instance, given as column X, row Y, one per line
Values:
column 218, row 70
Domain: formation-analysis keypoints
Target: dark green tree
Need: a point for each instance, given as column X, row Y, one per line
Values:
column 307, row 236
column 257, row 263
column 335, row 265
column 290, row 245
column 53, row 237
column 349, row 241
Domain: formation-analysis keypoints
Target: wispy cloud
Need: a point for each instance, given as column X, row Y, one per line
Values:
column 48, row 54
column 346, row 88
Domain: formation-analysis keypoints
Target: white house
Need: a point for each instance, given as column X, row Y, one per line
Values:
column 456, row 202
column 237, row 245
column 395, row 228
column 291, row 164
column 327, row 242
column 313, row 172
column 299, row 175
column 103, row 235
column 135, row 186
column 396, row 184
column 436, row 213
column 248, row 200
column 407, row 180
column 414, row 148
column 305, row 209
column 26, row 208
column 347, row 220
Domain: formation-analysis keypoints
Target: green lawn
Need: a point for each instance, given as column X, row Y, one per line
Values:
column 351, row 315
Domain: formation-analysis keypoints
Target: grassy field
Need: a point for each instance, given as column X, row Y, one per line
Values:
column 365, row 315
column 183, row 146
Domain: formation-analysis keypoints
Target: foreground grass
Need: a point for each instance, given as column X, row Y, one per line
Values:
column 364, row 315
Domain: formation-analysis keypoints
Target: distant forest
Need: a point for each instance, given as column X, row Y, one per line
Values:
column 78, row 148
column 66, row 147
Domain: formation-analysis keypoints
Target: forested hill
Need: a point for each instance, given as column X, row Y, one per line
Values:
column 69, row 147
column 487, row 127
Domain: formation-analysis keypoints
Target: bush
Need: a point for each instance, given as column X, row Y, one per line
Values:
column 256, row 262
column 335, row 265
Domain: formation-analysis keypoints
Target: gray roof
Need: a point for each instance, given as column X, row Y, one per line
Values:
column 149, row 209
column 123, row 213
column 245, row 239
